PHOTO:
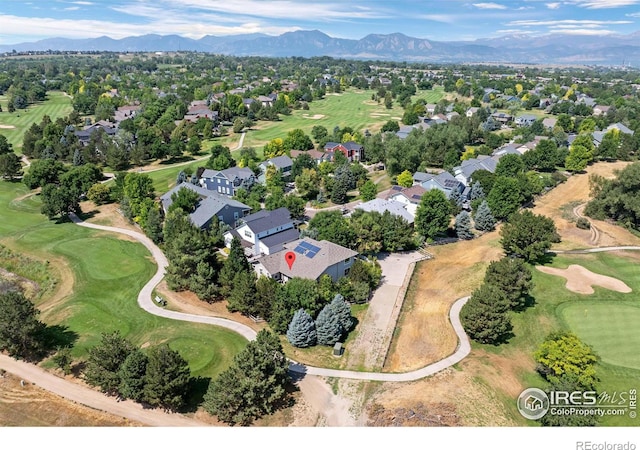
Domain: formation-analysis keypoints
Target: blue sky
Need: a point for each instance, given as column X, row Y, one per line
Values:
column 28, row 20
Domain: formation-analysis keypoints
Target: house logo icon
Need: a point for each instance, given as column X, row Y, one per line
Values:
column 533, row 403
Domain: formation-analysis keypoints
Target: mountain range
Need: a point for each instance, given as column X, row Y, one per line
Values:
column 549, row 49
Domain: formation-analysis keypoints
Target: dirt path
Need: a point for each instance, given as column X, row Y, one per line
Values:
column 595, row 233
column 86, row 396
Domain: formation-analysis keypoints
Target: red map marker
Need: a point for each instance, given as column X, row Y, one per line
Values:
column 290, row 257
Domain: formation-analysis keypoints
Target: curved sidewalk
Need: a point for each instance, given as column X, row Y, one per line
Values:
column 145, row 301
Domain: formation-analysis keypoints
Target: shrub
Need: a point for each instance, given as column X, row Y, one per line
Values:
column 583, row 223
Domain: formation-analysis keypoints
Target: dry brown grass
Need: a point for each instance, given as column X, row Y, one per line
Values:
column 32, row 406
column 424, row 333
column 576, row 189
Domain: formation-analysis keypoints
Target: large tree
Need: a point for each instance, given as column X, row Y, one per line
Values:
column 505, row 197
column 527, row 235
column 20, row 329
column 513, row 277
column 253, row 386
column 484, row 220
column 10, row 166
column 433, row 214
column 564, row 354
column 105, row 360
column 329, row 328
column 302, row 330
column 167, row 378
column 485, row 316
column 132, row 373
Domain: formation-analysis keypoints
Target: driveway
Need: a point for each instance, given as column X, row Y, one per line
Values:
column 370, row 347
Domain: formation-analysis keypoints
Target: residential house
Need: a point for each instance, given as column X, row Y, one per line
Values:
column 597, row 136
column 267, row 100
column 443, row 181
column 525, row 120
column 600, row 110
column 199, row 109
column 502, row 117
column 507, row 149
column 351, row 150
column 313, row 260
column 227, row 181
column 464, row 171
column 392, row 206
column 211, row 206
column 549, row 123
column 264, row 232
column 472, row 111
column 84, row 135
column 282, row 163
column 316, row 155
column 430, row 108
column 126, row 112
column 410, row 197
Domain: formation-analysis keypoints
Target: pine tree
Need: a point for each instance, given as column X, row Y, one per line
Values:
column 302, row 330
column 343, row 311
column 167, row 378
column 484, row 220
column 131, row 374
column 463, row 226
column 485, row 317
column 78, row 159
column 328, row 326
column 477, row 191
column 235, row 262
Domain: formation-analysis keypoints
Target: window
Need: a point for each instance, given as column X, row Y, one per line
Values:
column 235, row 215
column 248, row 234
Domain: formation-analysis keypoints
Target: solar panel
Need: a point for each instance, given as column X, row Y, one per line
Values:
column 304, row 244
column 313, row 248
column 310, row 254
column 299, row 249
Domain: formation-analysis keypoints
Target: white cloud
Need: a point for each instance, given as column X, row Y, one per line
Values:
column 490, row 5
column 82, row 3
column 553, row 23
column 554, row 5
column 46, row 27
column 443, row 18
column 637, row 14
column 583, row 32
column 601, row 4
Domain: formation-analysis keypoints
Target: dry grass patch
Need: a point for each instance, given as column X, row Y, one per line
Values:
column 576, row 190
column 424, row 333
column 32, row 406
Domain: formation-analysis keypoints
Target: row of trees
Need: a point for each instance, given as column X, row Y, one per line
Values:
column 333, row 324
column 158, row 377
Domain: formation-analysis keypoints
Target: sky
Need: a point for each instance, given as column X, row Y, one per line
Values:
column 439, row 20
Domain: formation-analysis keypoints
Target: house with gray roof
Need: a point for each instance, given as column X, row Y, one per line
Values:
column 410, row 197
column 227, row 181
column 264, row 232
column 210, row 206
column 464, row 171
column 282, row 163
column 443, row 181
column 393, row 207
column 525, row 120
column 313, row 259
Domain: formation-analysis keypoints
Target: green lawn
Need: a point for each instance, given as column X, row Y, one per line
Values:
column 612, row 330
column 108, row 273
column 56, row 105
column 609, row 325
column 353, row 108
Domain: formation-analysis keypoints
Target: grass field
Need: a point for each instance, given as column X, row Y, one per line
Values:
column 56, row 105
column 351, row 108
column 606, row 320
column 107, row 274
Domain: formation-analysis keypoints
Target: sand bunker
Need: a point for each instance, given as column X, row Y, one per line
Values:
column 582, row 280
column 314, row 117
column 6, row 127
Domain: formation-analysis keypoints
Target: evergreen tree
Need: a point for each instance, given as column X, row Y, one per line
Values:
column 242, row 296
column 302, row 330
column 20, row 329
column 253, row 386
column 484, row 220
column 432, row 215
column 132, row 375
column 153, row 225
column 463, row 226
column 78, row 159
column 235, row 263
column 485, row 317
column 328, row 326
column 342, row 310
column 513, row 277
column 105, row 360
column 167, row 378
column 477, row 192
